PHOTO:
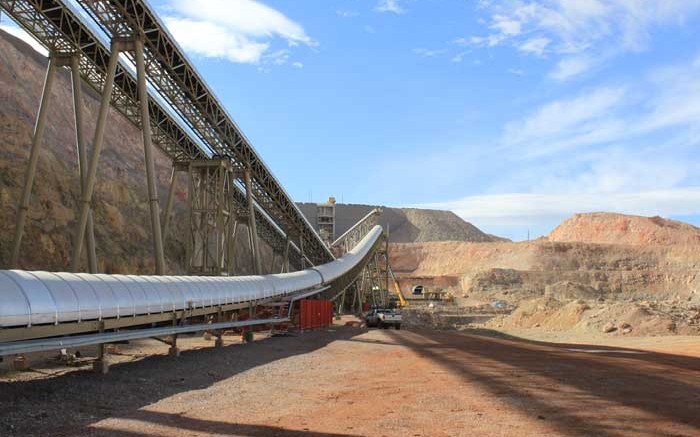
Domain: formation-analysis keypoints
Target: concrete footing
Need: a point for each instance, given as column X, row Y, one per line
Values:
column 20, row 362
column 100, row 366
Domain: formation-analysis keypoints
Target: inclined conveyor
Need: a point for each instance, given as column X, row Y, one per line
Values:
column 35, row 298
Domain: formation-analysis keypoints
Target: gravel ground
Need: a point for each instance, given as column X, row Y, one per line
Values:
column 347, row 381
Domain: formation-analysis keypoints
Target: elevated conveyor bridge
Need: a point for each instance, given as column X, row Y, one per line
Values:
column 121, row 50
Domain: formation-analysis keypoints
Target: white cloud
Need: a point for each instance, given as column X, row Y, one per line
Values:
column 570, row 67
column 459, row 57
column 18, row 32
column 211, row 28
column 506, row 25
column 427, row 53
column 565, row 123
column 579, row 30
column 297, row 65
column 214, row 41
column 346, row 14
column 535, row 46
column 392, row 6
column 628, row 148
column 666, row 98
column 536, row 209
column 516, row 71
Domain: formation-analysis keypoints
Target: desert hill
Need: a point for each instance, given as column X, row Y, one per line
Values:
column 406, row 225
column 610, row 228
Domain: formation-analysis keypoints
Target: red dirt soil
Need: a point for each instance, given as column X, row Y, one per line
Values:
column 352, row 382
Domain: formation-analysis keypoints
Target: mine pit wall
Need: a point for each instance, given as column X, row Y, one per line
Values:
column 662, row 272
column 121, row 211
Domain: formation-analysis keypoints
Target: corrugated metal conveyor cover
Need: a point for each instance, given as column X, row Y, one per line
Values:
column 138, row 294
column 42, row 307
column 286, row 283
column 65, row 298
column 335, row 269
column 15, row 309
column 33, row 298
column 123, row 297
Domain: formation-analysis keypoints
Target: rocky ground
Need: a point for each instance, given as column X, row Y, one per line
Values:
column 559, row 283
column 347, row 381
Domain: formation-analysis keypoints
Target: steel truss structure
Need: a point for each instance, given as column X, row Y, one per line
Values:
column 353, row 235
column 176, row 111
column 62, row 32
column 228, row 183
column 368, row 288
column 178, row 82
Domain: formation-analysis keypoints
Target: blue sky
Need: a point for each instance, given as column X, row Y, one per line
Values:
column 514, row 114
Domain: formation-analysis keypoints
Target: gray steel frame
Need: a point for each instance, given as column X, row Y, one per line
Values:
column 353, row 235
column 61, row 32
column 176, row 79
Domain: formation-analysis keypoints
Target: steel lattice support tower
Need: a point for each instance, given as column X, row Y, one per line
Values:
column 212, row 221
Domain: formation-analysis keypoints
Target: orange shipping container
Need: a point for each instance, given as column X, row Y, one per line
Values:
column 315, row 314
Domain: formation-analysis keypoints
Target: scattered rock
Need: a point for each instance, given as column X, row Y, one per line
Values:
column 609, row 327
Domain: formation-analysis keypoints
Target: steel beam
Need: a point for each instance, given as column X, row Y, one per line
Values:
column 148, row 156
column 82, row 154
column 252, row 230
column 182, row 86
column 33, row 160
column 210, row 215
column 169, row 203
column 285, row 260
column 94, row 159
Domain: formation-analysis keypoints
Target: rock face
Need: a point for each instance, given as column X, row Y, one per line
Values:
column 122, row 225
column 609, row 228
column 566, row 285
column 406, row 225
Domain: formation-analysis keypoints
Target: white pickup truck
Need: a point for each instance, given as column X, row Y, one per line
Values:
column 383, row 318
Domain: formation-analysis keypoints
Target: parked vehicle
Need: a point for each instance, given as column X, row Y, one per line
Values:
column 383, row 318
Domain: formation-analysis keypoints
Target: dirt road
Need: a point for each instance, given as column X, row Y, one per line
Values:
column 352, row 382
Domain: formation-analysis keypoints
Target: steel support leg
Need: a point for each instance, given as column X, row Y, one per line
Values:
column 341, row 306
column 148, row 155
column 94, row 159
column 33, row 160
column 285, row 260
column 272, row 262
column 82, row 156
column 219, row 343
column 231, row 243
column 101, row 365
column 252, row 229
column 169, row 204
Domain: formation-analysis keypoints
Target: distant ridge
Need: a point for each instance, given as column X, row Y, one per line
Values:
column 612, row 228
column 408, row 225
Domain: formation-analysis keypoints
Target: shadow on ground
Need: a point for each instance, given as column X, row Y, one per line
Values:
column 66, row 405
column 578, row 393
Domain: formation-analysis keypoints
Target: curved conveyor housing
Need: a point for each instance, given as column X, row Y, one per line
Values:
column 35, row 298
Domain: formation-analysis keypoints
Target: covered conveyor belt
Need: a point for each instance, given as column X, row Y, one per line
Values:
column 48, row 300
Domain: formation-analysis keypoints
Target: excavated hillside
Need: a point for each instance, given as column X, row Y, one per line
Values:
column 654, row 288
column 609, row 228
column 122, row 226
column 406, row 225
